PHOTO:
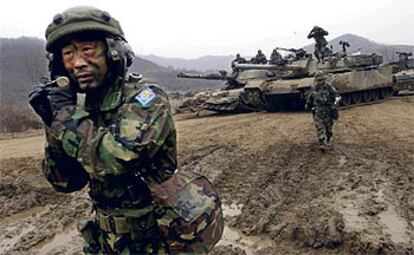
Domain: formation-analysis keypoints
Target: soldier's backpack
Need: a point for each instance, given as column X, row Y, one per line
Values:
column 190, row 214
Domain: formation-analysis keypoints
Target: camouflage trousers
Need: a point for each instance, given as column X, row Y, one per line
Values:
column 143, row 238
column 323, row 129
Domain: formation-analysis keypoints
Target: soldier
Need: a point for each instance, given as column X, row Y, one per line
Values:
column 344, row 45
column 238, row 60
column 321, row 50
column 322, row 100
column 120, row 140
column 260, row 58
column 275, row 57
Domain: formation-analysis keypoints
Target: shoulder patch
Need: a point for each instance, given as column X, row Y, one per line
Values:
column 145, row 95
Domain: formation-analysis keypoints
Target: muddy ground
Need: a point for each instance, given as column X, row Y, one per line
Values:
column 280, row 194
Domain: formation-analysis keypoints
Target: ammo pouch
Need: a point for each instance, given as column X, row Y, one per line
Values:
column 126, row 221
column 190, row 215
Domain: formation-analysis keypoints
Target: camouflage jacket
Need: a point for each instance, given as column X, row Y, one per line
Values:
column 319, row 34
column 260, row 59
column 130, row 134
column 275, row 55
column 321, row 97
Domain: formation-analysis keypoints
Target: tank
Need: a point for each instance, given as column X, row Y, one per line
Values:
column 403, row 78
column 360, row 79
column 227, row 99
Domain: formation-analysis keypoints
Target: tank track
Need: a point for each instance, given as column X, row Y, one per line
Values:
column 365, row 97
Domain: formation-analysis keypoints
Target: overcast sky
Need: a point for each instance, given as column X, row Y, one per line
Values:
column 194, row 28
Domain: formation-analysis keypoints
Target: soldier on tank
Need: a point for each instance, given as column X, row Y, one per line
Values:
column 238, row 60
column 275, row 58
column 321, row 49
column 260, row 58
column 124, row 129
column 322, row 100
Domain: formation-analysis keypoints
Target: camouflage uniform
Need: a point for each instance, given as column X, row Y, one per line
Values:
column 238, row 60
column 321, row 99
column 275, row 58
column 260, row 58
column 118, row 145
column 321, row 50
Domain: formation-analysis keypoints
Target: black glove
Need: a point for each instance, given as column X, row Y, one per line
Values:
column 61, row 97
column 40, row 103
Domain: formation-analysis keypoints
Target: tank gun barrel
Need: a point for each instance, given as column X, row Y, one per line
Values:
column 285, row 49
column 291, row 49
column 256, row 66
column 222, row 75
column 266, row 67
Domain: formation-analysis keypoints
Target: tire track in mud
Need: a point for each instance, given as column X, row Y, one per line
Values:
column 287, row 200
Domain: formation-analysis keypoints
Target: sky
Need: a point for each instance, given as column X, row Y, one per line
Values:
column 195, row 28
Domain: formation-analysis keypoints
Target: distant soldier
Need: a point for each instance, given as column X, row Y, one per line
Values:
column 260, row 58
column 404, row 60
column 238, row 60
column 321, row 50
column 344, row 45
column 275, row 58
column 322, row 100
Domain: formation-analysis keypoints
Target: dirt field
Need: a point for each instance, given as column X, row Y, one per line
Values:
column 280, row 194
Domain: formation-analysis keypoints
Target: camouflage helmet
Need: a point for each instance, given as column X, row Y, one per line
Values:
column 320, row 76
column 81, row 19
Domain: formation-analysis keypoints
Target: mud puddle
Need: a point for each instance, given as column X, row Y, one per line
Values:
column 393, row 224
column 58, row 240
column 234, row 237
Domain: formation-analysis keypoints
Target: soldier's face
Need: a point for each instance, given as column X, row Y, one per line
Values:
column 86, row 63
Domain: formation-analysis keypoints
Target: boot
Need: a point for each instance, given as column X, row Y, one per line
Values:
column 322, row 148
column 329, row 142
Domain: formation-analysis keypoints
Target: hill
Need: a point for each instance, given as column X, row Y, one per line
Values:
column 203, row 64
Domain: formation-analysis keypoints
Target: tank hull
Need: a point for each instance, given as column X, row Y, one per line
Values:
column 356, row 87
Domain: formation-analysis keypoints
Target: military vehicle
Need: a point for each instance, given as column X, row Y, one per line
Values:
column 403, row 79
column 227, row 99
column 360, row 79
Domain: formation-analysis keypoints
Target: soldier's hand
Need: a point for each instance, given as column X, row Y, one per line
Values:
column 40, row 103
column 61, row 97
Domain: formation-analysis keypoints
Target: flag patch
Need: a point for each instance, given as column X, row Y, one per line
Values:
column 145, row 95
